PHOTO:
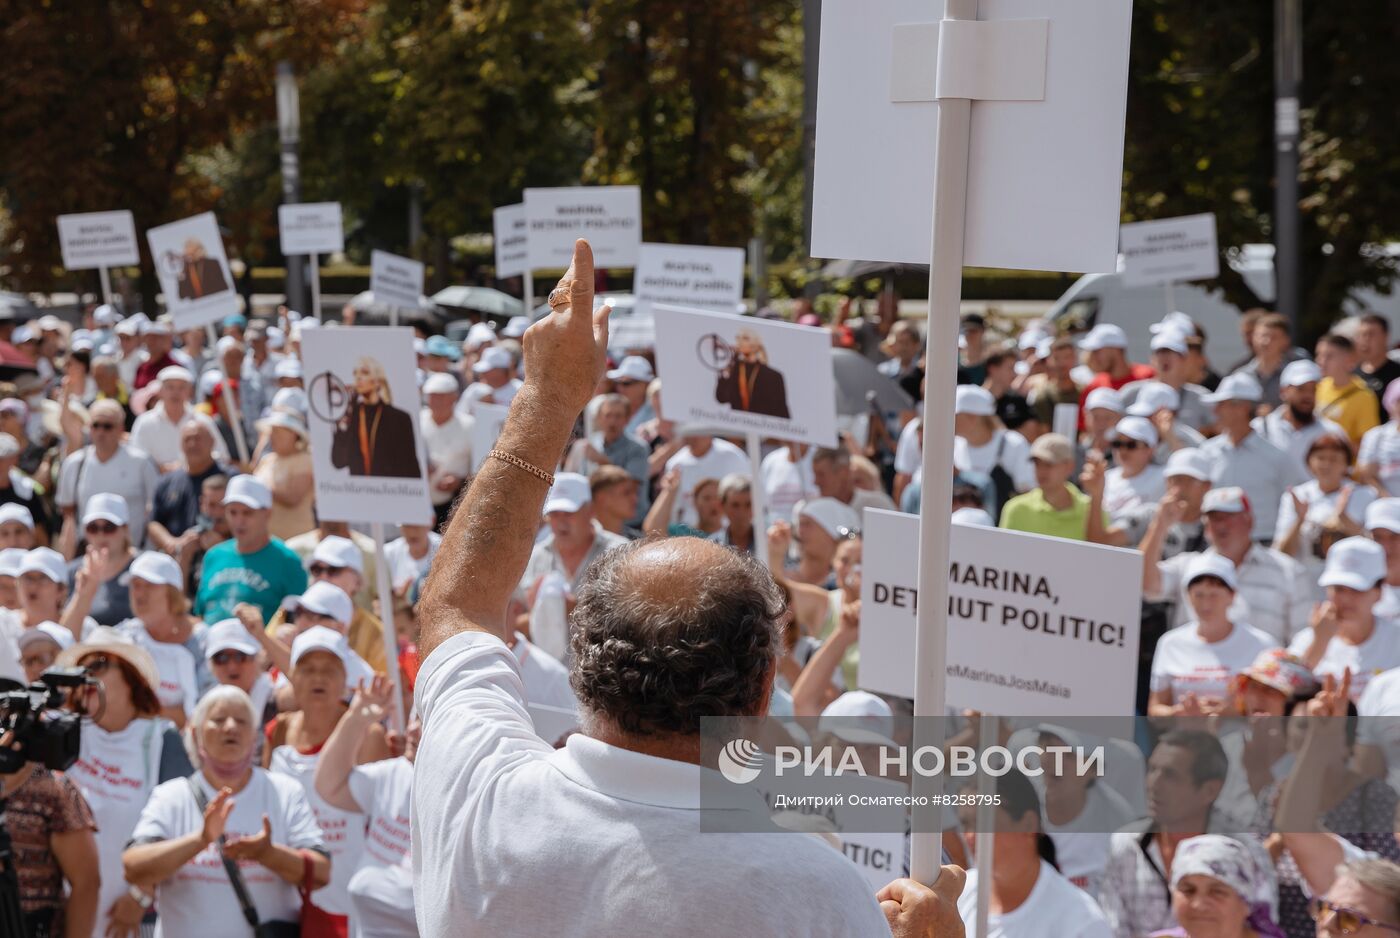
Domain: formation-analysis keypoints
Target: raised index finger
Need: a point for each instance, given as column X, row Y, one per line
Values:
column 580, row 277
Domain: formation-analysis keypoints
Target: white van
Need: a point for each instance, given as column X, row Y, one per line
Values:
column 1104, row 298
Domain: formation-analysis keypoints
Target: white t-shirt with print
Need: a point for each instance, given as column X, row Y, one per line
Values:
column 1055, row 908
column 721, row 459
column 198, row 900
column 1184, row 663
column 381, row 888
column 342, row 832
column 786, row 483
column 178, row 687
column 1371, row 658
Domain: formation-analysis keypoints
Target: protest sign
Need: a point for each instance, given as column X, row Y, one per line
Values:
column 750, row 376
column 395, row 281
column 1036, row 624
column 610, row 217
column 487, row 421
column 689, row 276
column 1172, row 250
column 193, row 271
column 366, row 450
column 98, row 239
column 512, row 240
column 1045, row 142
column 311, row 228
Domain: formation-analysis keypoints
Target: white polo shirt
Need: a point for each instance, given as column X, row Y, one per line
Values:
column 1275, row 428
column 156, row 435
column 1260, row 468
column 513, row 837
column 130, row 473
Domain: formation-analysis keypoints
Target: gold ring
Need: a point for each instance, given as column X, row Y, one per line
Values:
column 559, row 297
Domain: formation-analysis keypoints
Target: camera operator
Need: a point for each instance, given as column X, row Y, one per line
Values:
column 50, row 828
column 125, row 751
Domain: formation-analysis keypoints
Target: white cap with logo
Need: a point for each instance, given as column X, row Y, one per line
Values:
column 1229, row 500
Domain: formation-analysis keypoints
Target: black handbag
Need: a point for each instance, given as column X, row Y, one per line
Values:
column 261, row 929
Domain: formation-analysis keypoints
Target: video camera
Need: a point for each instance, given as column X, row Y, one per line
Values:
column 33, row 726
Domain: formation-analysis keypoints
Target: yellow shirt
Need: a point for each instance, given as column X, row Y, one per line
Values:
column 1351, row 405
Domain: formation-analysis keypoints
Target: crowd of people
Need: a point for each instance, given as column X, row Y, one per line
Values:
column 245, row 761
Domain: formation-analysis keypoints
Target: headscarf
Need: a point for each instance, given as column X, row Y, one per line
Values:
column 1229, row 861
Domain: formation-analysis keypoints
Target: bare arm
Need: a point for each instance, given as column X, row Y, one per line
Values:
column 277, row 652
column 809, row 692
column 338, row 756
column 1168, row 511
column 487, row 546
column 85, row 584
column 662, row 510
column 76, row 853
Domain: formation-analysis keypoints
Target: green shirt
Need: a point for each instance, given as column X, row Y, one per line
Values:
column 263, row 578
column 1033, row 514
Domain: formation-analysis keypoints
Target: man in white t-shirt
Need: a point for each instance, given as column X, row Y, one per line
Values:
column 447, row 436
column 107, row 465
column 157, row 432
column 500, row 818
column 787, row 480
column 703, row 457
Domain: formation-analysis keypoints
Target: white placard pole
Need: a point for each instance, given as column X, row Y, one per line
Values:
column 528, row 291
column 233, row 415
column 986, row 824
column 945, row 296
column 316, row 286
column 385, row 587
column 106, row 279
column 756, row 497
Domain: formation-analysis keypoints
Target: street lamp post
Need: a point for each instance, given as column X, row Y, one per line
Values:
column 289, row 133
column 1288, row 75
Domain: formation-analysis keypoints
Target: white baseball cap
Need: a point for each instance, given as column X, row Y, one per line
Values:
column 13, row 511
column 632, row 368
column 10, row 560
column 832, row 515
column 46, row 631
column 160, row 569
column 977, row 517
column 1154, row 396
column 248, row 491
column 161, row 325
column 320, row 638
column 9, row 446
column 106, row 315
column 208, row 380
column 1296, row 374
column 1104, row 335
column 1169, row 340
column 1137, row 428
column 47, row 561
column 971, row 399
column 1189, row 462
column 324, row 599
column 1383, row 514
column 1354, row 562
column 228, row 343
column 290, row 399
column 288, row 367
column 132, row 326
column 440, row 382
column 228, row 635
column 1174, row 322
column 1230, row 500
column 1237, row 387
column 105, row 506
column 493, row 358
column 480, row 334
column 516, row 327
column 175, row 373
column 1216, row 565
column 1104, row 399
column 337, row 551
column 1030, row 339
column 859, row 716
column 276, row 338
column 570, row 493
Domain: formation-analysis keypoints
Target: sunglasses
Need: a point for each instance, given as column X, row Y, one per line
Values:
column 104, row 426
column 1127, row 444
column 624, row 383
column 229, row 657
column 100, row 527
column 321, row 569
column 97, row 665
column 1347, row 921
column 844, row 533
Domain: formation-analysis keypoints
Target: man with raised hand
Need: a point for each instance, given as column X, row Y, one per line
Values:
column 602, row 837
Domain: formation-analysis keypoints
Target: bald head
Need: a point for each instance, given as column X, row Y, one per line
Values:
column 669, row 631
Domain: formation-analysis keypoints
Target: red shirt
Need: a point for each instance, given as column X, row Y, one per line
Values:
column 147, row 371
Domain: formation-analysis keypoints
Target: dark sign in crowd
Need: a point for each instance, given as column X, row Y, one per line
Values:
column 239, row 769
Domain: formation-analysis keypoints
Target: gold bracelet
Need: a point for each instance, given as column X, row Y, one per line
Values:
column 519, row 463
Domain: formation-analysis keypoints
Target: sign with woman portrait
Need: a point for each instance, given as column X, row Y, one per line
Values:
column 193, row 271
column 743, row 375
column 367, row 454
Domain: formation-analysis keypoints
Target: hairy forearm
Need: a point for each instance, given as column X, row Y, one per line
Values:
column 486, row 547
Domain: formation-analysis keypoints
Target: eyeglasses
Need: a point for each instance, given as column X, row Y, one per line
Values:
column 321, row 569
column 104, row 426
column 100, row 527
column 97, row 665
column 624, row 383
column 229, row 657
column 1127, row 444
column 1347, row 921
